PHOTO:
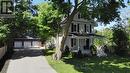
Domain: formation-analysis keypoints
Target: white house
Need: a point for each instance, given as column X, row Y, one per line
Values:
column 81, row 35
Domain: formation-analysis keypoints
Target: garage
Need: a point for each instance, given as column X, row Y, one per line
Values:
column 26, row 43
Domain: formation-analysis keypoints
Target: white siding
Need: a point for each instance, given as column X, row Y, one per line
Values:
column 2, row 51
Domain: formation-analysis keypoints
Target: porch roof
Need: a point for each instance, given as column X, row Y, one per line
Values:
column 86, row 35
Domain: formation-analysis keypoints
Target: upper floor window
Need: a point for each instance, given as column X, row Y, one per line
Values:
column 86, row 28
column 6, row 7
column 73, row 27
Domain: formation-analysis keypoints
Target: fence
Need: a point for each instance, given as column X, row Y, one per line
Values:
column 3, row 50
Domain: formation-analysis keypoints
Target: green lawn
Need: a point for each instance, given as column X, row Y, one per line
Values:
column 113, row 64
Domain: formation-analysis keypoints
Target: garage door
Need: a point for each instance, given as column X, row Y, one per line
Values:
column 18, row 44
column 25, row 43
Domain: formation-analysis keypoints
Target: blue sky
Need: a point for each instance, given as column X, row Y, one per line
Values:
column 37, row 1
column 125, row 12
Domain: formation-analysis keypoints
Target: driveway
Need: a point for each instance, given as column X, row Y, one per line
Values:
column 29, row 61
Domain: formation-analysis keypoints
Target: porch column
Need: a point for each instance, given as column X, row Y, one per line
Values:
column 78, row 42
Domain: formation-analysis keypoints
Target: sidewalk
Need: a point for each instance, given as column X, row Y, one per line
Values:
column 29, row 62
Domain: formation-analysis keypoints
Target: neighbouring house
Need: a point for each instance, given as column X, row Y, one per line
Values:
column 7, row 8
column 81, row 35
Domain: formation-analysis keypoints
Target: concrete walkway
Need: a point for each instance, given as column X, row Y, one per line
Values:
column 29, row 61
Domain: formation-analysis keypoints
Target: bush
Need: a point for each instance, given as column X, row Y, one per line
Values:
column 93, row 49
column 51, row 46
column 120, row 40
column 66, row 52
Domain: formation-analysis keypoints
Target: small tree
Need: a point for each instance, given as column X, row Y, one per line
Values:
column 120, row 39
column 107, row 33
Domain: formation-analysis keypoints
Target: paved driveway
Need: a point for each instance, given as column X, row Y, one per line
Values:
column 29, row 61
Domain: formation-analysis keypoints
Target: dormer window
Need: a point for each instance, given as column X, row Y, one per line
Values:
column 79, row 16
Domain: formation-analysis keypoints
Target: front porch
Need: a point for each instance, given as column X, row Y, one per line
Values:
column 81, row 42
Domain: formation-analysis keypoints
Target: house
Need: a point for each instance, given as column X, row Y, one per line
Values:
column 81, row 34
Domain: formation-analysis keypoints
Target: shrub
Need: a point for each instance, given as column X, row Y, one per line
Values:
column 93, row 49
column 120, row 40
column 66, row 52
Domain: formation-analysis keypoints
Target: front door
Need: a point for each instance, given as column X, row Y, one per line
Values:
column 82, row 43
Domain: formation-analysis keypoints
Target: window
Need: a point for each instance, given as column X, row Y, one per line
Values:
column 73, row 28
column 86, row 28
column 73, row 42
column 79, row 16
column 6, row 7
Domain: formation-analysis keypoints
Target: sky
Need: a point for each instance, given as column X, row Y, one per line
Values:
column 125, row 13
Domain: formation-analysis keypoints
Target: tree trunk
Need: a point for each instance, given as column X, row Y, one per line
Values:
column 59, row 50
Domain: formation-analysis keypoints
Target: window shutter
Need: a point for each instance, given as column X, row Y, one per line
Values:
column 72, row 27
column 85, row 28
column 90, row 28
column 78, row 27
column 71, row 42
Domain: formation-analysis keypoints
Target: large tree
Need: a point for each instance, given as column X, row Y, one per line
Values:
column 104, row 11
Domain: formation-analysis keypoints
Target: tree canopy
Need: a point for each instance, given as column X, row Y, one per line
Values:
column 104, row 11
column 47, row 20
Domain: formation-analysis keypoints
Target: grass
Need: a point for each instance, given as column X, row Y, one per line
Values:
column 111, row 64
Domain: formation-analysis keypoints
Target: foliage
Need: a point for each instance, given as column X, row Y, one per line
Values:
column 107, row 39
column 120, row 39
column 93, row 49
column 48, row 19
column 104, row 11
column 128, row 29
column 66, row 52
column 3, row 32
